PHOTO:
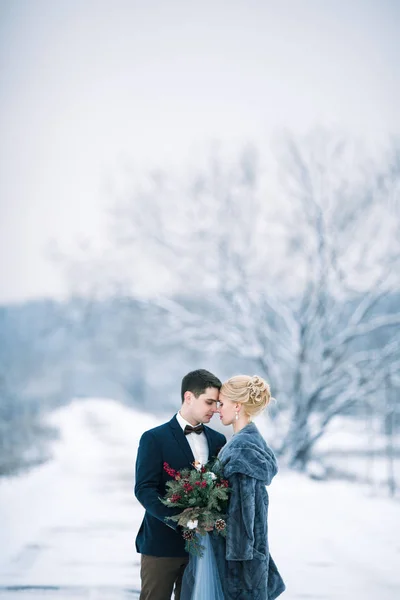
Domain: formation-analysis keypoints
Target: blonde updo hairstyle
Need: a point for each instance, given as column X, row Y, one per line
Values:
column 253, row 392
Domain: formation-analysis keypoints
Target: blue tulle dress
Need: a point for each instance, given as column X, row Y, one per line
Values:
column 201, row 579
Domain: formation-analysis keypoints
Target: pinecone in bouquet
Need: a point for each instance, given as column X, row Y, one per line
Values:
column 203, row 494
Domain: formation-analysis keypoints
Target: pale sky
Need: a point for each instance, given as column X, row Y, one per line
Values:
column 87, row 86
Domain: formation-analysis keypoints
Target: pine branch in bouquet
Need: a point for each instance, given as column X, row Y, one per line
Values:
column 203, row 495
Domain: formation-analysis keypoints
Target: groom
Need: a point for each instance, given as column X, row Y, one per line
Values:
column 180, row 442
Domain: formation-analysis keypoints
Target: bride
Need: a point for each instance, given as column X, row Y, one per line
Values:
column 240, row 566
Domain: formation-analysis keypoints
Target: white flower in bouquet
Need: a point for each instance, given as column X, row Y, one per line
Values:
column 192, row 524
column 210, row 475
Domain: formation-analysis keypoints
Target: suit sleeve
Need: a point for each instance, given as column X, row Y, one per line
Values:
column 149, row 470
column 241, row 514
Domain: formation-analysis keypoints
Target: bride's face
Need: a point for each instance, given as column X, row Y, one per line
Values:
column 227, row 410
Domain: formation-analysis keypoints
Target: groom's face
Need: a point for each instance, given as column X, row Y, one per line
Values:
column 202, row 408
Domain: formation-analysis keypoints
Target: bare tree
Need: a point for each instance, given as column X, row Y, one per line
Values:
column 23, row 435
column 391, row 424
column 351, row 264
column 294, row 280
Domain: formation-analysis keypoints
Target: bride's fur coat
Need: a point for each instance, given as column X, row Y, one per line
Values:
column 247, row 570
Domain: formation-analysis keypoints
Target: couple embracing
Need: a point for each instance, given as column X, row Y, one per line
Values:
column 243, row 565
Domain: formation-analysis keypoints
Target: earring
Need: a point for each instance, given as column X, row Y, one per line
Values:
column 237, row 416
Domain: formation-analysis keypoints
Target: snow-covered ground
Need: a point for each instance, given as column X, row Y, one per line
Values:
column 358, row 451
column 67, row 529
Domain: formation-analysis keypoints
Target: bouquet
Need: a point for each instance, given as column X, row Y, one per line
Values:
column 203, row 494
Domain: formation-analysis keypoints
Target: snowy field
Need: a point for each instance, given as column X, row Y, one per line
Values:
column 67, row 528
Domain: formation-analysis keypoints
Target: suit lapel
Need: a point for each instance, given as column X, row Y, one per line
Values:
column 181, row 439
column 207, row 432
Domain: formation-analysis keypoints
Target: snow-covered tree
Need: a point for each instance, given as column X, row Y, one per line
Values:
column 346, row 245
column 293, row 276
column 22, row 432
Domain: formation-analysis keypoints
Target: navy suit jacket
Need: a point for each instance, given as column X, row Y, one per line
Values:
column 166, row 443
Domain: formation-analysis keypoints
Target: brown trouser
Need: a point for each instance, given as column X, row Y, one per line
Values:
column 159, row 575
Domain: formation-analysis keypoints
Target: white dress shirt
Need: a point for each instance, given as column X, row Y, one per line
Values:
column 197, row 441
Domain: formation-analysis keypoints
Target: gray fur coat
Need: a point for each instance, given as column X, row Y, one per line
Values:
column 246, row 568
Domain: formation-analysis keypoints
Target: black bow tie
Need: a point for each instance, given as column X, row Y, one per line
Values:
column 189, row 429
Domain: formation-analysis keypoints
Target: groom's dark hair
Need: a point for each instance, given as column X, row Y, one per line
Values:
column 198, row 381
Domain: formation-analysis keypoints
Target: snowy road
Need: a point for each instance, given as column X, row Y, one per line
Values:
column 68, row 527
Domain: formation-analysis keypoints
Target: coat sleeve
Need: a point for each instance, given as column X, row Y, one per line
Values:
column 241, row 514
column 148, row 478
